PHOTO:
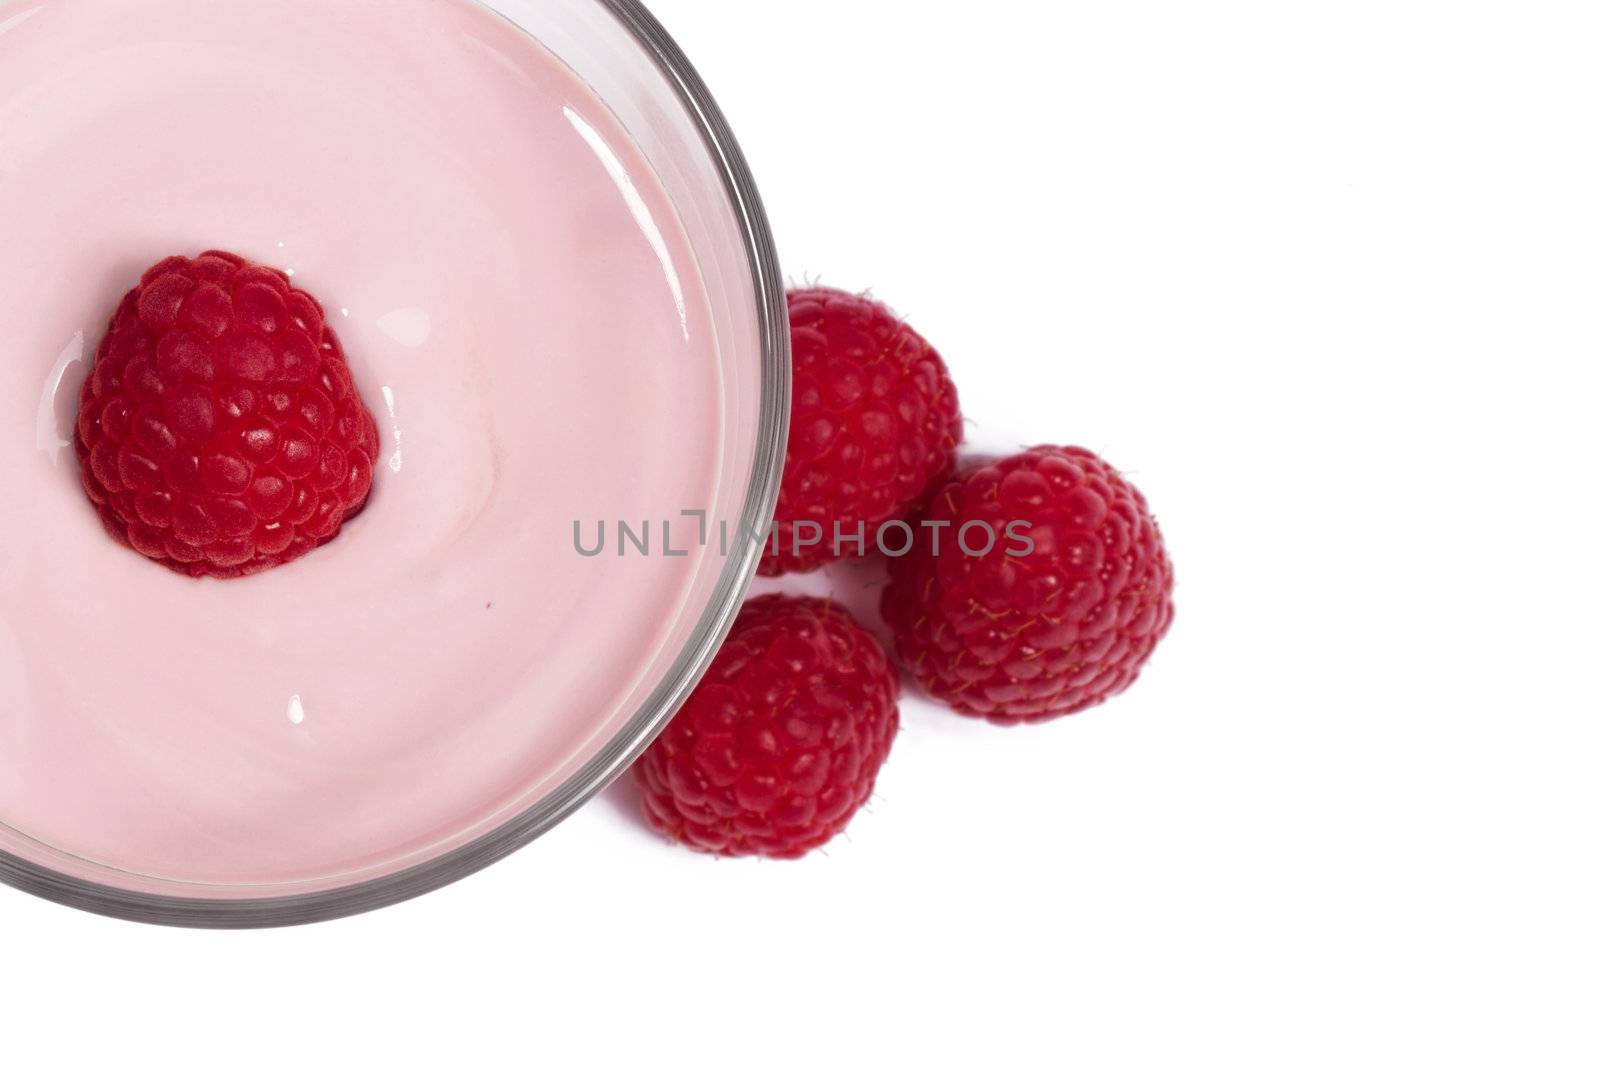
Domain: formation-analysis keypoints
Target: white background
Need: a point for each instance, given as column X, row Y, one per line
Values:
column 1322, row 278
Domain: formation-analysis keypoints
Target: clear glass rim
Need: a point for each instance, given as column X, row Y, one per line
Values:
column 739, row 570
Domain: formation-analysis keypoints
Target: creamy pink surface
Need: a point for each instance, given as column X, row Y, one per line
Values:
column 522, row 313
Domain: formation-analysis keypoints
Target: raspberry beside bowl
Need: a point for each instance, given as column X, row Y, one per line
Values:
column 678, row 152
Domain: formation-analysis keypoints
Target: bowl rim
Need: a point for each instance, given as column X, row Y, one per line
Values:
column 705, row 640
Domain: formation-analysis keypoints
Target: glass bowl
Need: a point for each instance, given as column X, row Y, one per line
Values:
column 638, row 83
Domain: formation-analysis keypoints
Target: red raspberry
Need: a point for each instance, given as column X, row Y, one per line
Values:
column 220, row 433
column 1050, row 632
column 782, row 742
column 876, row 424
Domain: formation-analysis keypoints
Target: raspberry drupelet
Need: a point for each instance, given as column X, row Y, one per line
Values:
column 220, row 432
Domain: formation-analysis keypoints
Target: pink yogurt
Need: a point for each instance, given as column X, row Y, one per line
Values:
column 524, row 315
